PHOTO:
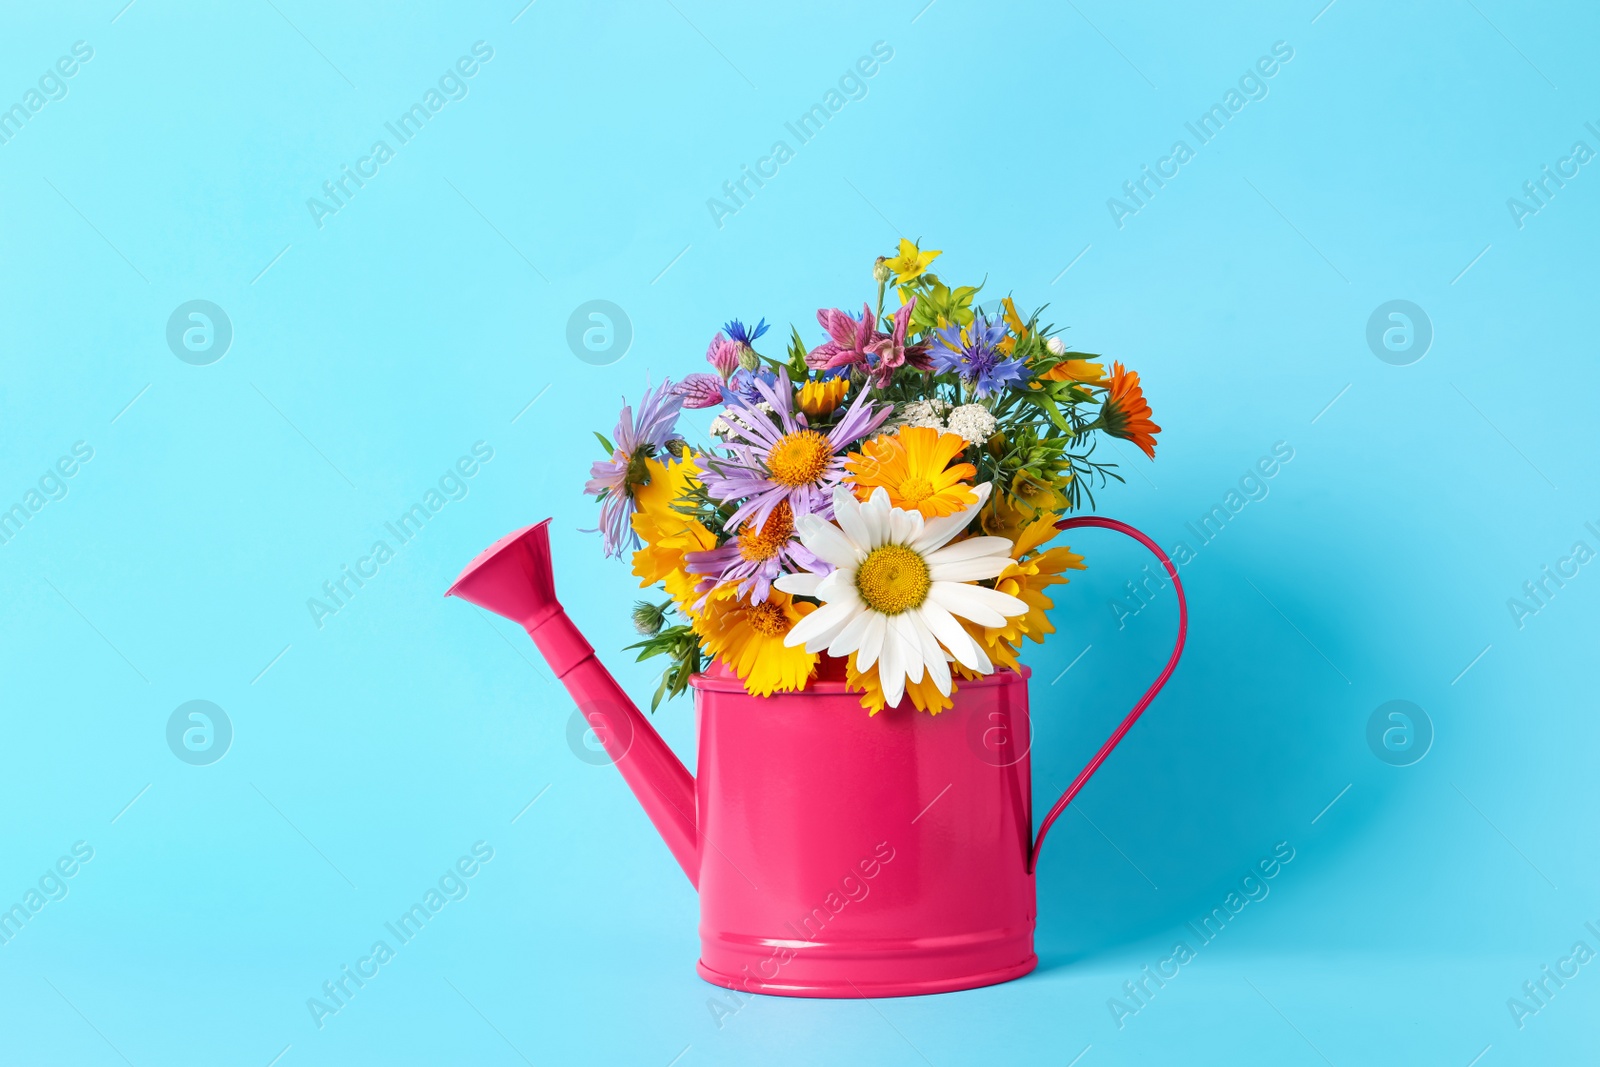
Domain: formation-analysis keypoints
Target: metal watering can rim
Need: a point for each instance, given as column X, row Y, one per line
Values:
column 514, row 578
column 721, row 680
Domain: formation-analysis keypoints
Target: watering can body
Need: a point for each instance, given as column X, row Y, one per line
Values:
column 844, row 855
column 837, row 854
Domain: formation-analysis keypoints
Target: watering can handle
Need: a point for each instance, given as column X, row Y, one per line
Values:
column 1149, row 694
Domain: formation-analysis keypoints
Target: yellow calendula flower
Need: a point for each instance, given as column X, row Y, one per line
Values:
column 821, row 398
column 1075, row 370
column 1027, row 579
column 1002, row 517
column 748, row 639
column 924, row 694
column 1019, row 329
column 1034, row 494
column 911, row 263
column 913, row 465
column 667, row 534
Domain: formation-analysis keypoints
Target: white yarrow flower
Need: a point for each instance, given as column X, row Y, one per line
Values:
column 973, row 423
column 896, row 590
column 918, row 413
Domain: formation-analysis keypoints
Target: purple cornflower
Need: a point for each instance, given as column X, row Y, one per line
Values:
column 614, row 480
column 777, row 457
column 972, row 354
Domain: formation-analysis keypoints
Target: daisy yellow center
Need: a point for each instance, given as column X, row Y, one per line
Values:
column 769, row 541
column 914, row 491
column 799, row 458
column 767, row 619
column 893, row 579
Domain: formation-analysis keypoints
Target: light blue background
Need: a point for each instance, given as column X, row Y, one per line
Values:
column 372, row 352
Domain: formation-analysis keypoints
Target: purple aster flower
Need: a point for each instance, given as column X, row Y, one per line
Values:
column 974, row 356
column 754, row 557
column 777, row 457
column 890, row 352
column 700, row 390
column 636, row 440
column 848, row 342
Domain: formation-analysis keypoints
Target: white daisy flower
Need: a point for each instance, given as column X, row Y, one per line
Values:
column 1056, row 346
column 897, row 588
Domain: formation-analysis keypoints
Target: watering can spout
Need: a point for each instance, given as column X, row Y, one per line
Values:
column 514, row 578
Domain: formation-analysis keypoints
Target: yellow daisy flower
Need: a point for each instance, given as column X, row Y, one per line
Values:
column 748, row 639
column 667, row 534
column 910, row 263
column 821, row 398
column 912, row 465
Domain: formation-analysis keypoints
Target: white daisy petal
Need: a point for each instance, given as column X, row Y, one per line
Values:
column 875, row 513
column 849, row 638
column 939, row 532
column 963, row 600
column 847, row 513
column 900, row 626
column 890, row 672
column 904, row 526
column 949, row 633
column 803, row 583
column 933, row 656
column 871, row 641
column 992, row 599
column 840, row 585
column 820, row 642
column 825, row 620
column 826, row 541
column 969, row 549
column 969, row 570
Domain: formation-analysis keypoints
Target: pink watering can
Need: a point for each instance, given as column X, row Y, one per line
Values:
column 836, row 854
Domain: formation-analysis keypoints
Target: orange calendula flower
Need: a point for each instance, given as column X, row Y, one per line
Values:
column 821, row 398
column 1126, row 414
column 912, row 464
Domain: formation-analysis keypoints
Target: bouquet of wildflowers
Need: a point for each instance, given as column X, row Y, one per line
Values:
column 883, row 499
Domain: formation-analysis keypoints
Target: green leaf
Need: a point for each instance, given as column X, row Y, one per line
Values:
column 610, row 448
column 797, row 353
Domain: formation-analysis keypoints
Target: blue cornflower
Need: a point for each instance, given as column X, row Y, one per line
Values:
column 737, row 331
column 973, row 354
